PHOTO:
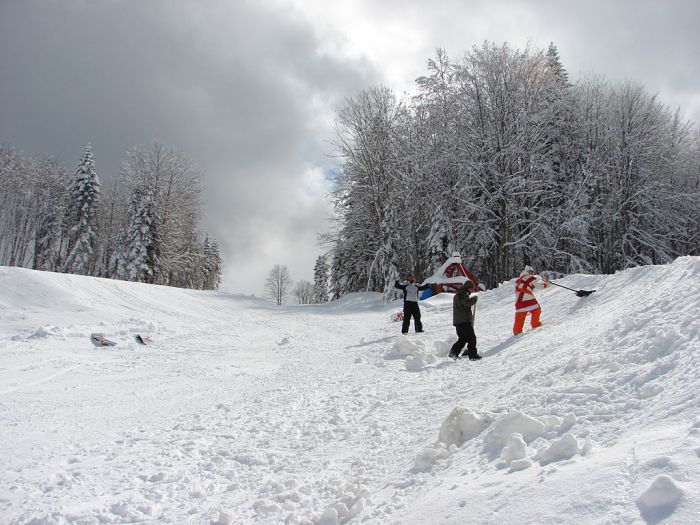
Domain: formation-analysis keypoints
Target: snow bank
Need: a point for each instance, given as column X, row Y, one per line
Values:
column 241, row 412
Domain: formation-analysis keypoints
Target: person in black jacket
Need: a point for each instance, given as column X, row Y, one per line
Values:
column 410, row 303
column 463, row 321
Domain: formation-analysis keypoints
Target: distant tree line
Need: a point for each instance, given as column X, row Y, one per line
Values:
column 144, row 226
column 502, row 158
column 279, row 284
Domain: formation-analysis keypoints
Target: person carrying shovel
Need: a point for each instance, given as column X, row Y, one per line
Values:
column 463, row 321
column 525, row 301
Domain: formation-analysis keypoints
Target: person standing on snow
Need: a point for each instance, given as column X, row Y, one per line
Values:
column 525, row 301
column 410, row 303
column 463, row 321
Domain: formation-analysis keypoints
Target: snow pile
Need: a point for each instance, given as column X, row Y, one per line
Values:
column 515, row 454
column 462, row 425
column 660, row 499
column 413, row 352
column 240, row 412
column 511, row 423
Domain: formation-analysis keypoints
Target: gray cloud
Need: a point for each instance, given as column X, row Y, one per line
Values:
column 247, row 89
column 235, row 86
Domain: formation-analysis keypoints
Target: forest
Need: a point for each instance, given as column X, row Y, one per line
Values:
column 143, row 226
column 499, row 156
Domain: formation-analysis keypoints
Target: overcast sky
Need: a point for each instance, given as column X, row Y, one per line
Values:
column 248, row 89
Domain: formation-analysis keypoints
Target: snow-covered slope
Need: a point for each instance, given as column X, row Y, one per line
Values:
column 240, row 412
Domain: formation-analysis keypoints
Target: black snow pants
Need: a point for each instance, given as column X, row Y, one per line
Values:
column 410, row 308
column 466, row 336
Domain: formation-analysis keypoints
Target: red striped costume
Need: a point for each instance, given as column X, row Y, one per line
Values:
column 525, row 301
column 524, row 296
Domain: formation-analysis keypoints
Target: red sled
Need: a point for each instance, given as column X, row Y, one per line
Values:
column 397, row 316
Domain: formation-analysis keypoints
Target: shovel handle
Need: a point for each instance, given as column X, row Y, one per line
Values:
column 562, row 286
column 579, row 293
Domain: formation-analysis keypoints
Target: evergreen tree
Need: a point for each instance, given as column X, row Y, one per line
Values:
column 142, row 243
column 80, row 217
column 212, row 265
column 320, row 290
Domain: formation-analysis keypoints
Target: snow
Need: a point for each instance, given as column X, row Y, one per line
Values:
column 243, row 412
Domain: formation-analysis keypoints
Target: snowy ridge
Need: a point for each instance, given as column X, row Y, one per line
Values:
column 241, row 412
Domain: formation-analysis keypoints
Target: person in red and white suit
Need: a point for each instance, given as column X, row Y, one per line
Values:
column 525, row 301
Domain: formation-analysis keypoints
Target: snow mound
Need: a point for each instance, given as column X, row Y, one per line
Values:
column 462, row 425
column 514, row 422
column 515, row 453
column 565, row 447
column 415, row 353
column 659, row 500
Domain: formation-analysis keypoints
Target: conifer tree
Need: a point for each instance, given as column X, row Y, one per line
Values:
column 80, row 217
column 212, row 265
column 142, row 245
column 320, row 294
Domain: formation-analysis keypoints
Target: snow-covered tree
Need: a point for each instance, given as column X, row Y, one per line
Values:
column 80, row 217
column 139, row 257
column 367, row 135
column 32, row 203
column 321, row 276
column 50, row 188
column 212, row 265
column 304, row 292
column 113, row 221
column 278, row 284
column 176, row 188
column 499, row 156
column 50, row 221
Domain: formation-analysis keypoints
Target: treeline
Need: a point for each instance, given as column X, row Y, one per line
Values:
column 279, row 284
column 144, row 226
column 502, row 158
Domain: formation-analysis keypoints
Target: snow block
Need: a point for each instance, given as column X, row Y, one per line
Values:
column 659, row 501
column 224, row 519
column 428, row 457
column 565, row 447
column 329, row 517
column 462, row 425
column 515, row 450
column 511, row 423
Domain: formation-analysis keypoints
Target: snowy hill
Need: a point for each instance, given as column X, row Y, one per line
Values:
column 240, row 412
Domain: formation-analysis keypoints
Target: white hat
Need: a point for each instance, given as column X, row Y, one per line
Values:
column 528, row 270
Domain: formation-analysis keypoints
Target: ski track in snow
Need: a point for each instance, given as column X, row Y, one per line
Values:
column 244, row 413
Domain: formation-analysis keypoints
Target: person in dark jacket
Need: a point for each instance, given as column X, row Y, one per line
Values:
column 410, row 303
column 463, row 321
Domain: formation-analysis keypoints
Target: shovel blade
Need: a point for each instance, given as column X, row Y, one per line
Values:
column 584, row 293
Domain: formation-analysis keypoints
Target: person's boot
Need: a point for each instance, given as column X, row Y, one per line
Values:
column 474, row 357
column 454, row 356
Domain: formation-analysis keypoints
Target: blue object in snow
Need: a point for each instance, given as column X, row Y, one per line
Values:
column 426, row 293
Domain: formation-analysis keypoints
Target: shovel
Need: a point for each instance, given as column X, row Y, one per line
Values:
column 579, row 293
